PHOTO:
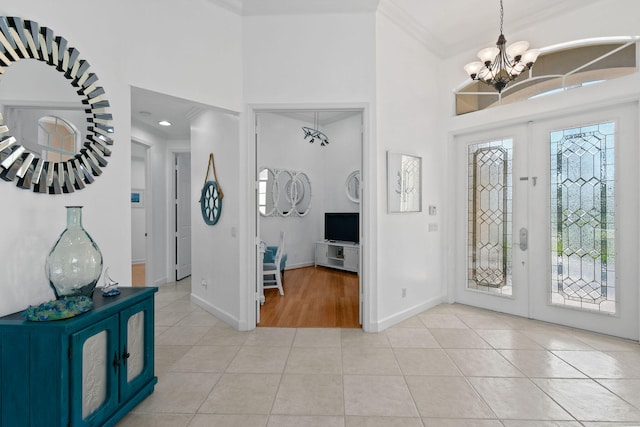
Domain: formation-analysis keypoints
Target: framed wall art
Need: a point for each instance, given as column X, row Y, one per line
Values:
column 404, row 183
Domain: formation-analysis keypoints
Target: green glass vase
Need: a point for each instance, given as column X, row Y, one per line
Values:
column 74, row 264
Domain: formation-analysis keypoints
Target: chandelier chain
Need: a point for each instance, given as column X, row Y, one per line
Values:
column 501, row 16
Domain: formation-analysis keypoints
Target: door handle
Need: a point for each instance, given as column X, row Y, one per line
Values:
column 524, row 239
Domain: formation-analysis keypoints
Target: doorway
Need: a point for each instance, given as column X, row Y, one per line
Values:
column 139, row 250
column 544, row 214
column 182, row 215
column 325, row 148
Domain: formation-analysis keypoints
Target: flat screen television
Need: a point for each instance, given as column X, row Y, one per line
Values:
column 342, row 226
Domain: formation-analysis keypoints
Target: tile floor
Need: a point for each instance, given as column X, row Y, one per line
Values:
column 450, row 366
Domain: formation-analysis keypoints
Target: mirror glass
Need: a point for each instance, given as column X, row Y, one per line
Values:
column 301, row 193
column 267, row 192
column 283, row 180
column 42, row 110
column 56, row 130
column 352, row 186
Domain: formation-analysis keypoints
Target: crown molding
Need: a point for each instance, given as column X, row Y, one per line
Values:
column 407, row 23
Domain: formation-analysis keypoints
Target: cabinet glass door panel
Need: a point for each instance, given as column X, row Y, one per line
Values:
column 136, row 329
column 93, row 385
column 135, row 345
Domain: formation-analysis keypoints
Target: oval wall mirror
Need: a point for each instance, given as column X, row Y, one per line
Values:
column 58, row 138
column 352, row 186
column 284, row 206
column 301, row 200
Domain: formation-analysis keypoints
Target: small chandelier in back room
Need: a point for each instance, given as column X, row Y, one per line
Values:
column 314, row 133
column 499, row 65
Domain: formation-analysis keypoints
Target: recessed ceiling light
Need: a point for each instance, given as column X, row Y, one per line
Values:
column 164, row 123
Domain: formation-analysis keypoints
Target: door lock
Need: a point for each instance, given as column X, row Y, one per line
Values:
column 524, row 239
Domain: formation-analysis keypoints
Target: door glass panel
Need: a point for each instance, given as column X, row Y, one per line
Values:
column 583, row 218
column 94, row 373
column 135, row 345
column 490, row 216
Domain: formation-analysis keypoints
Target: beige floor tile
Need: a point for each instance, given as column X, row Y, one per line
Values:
column 440, row 422
column 578, row 396
column 412, row 322
column 441, row 321
column 271, row 337
column 357, row 337
column 308, row 394
column 508, row 339
column 479, row 320
column 553, row 338
column 182, row 335
column 222, row 334
column 179, row 393
column 316, row 337
column 605, row 342
column 206, row 359
column 386, row 396
column 352, row 421
column 134, row 419
column 627, row 389
column 242, row 394
column 447, row 397
column 167, row 355
column 369, row 361
column 425, row 361
column 158, row 330
column 259, row 360
column 482, row 363
column 518, row 399
column 308, row 360
column 168, row 318
column 216, row 420
column 540, row 364
column 305, row 421
column 595, row 364
column 539, row 423
column 411, row 338
column 198, row 318
column 459, row 338
column 629, row 360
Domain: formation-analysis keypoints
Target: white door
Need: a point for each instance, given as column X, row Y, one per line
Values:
column 547, row 221
column 183, row 215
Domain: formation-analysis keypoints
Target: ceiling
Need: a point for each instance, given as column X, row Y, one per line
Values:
column 438, row 24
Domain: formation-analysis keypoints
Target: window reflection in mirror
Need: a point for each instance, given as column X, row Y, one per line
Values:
column 42, row 110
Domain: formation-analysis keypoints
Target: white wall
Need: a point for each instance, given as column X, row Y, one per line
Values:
column 409, row 256
column 215, row 249
column 281, row 145
column 128, row 44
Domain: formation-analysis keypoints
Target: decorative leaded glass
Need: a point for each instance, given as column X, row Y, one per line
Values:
column 583, row 217
column 490, row 206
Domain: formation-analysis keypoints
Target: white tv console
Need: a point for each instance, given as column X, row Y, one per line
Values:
column 340, row 255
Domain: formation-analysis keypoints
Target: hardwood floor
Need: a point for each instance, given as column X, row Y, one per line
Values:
column 137, row 274
column 314, row 297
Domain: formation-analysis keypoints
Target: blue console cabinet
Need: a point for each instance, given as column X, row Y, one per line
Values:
column 89, row 370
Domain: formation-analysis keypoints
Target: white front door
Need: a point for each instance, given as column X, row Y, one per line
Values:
column 547, row 221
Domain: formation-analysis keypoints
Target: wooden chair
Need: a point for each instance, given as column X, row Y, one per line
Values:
column 271, row 270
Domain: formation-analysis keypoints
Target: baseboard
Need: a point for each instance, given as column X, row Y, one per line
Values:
column 138, row 261
column 396, row 318
column 220, row 314
column 159, row 282
column 299, row 265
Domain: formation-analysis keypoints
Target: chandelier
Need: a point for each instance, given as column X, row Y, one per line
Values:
column 499, row 65
column 313, row 133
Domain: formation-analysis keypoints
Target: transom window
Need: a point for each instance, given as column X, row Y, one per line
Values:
column 558, row 68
